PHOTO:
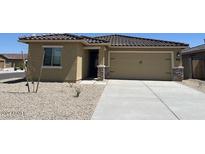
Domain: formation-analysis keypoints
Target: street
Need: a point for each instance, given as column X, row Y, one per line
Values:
column 4, row 76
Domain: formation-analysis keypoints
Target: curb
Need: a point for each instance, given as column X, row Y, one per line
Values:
column 10, row 80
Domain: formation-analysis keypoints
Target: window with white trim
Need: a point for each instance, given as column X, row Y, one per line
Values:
column 52, row 56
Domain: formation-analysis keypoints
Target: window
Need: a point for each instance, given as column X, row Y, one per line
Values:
column 52, row 56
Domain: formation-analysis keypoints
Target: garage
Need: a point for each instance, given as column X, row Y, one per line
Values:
column 144, row 66
column 1, row 64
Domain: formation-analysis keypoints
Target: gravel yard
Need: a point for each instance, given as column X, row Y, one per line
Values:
column 196, row 84
column 53, row 101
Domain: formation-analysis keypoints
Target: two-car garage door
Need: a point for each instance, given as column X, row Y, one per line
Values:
column 147, row 66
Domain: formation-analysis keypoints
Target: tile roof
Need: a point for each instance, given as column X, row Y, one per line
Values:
column 51, row 37
column 200, row 48
column 113, row 40
column 12, row 56
column 93, row 40
column 122, row 40
column 65, row 36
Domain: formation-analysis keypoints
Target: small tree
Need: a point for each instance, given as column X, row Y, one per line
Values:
column 25, row 62
column 39, row 77
column 26, row 72
column 30, row 70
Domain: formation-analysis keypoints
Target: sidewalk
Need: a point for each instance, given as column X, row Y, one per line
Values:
column 10, row 70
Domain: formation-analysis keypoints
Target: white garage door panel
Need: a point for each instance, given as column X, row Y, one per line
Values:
column 152, row 66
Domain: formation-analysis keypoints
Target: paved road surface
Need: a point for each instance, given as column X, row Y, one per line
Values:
column 4, row 76
column 124, row 99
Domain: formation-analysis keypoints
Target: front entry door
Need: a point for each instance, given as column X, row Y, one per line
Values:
column 93, row 62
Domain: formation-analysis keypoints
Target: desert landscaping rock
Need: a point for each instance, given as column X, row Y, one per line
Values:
column 53, row 101
column 196, row 84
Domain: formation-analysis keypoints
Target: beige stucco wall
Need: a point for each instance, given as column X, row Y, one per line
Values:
column 102, row 56
column 175, row 50
column 71, row 62
column 2, row 62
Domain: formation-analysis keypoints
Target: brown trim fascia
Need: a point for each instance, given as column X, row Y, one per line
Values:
column 62, row 41
column 168, row 47
column 39, row 41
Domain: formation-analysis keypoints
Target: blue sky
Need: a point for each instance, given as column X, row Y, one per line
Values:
column 9, row 43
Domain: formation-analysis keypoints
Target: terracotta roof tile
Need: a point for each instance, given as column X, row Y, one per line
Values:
column 114, row 40
column 196, row 49
column 93, row 40
column 65, row 36
column 122, row 40
column 14, row 56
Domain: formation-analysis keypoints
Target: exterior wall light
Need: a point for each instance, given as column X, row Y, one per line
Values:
column 178, row 56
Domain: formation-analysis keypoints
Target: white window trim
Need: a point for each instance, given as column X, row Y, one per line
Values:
column 52, row 46
column 171, row 52
column 87, row 48
column 51, row 67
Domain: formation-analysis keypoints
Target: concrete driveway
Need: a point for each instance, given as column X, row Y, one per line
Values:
column 131, row 99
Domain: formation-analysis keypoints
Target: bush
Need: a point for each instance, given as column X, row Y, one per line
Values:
column 20, row 66
column 78, row 91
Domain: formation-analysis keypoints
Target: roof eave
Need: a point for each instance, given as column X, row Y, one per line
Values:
column 99, row 44
column 3, row 56
column 180, row 47
column 193, row 52
column 72, row 41
column 31, row 41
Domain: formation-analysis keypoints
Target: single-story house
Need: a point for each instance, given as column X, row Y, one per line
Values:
column 194, row 62
column 69, row 57
column 12, row 60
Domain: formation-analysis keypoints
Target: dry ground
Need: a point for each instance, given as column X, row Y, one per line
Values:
column 53, row 101
column 196, row 84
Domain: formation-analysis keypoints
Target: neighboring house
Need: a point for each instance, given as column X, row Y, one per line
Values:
column 71, row 57
column 2, row 63
column 11, row 60
column 194, row 62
